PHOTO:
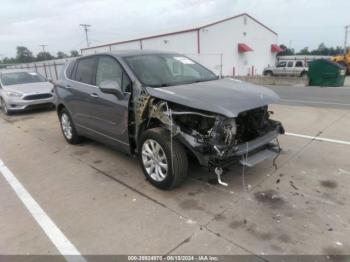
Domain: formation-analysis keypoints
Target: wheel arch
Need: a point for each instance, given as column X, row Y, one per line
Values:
column 146, row 124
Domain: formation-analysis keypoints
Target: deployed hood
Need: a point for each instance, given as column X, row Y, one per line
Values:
column 39, row 87
column 227, row 97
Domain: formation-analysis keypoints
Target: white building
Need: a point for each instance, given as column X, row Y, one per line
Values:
column 238, row 45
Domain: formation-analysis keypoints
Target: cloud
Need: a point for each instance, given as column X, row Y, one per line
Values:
column 56, row 22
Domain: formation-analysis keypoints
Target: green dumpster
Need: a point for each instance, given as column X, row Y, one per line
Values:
column 323, row 72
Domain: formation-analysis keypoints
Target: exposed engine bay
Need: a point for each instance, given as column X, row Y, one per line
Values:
column 213, row 139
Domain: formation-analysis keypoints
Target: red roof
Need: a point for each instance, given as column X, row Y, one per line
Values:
column 244, row 48
column 276, row 48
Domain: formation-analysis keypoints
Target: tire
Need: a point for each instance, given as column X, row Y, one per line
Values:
column 342, row 63
column 269, row 73
column 302, row 74
column 4, row 108
column 177, row 166
column 68, row 130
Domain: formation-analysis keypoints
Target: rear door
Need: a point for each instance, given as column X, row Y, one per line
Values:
column 80, row 86
column 290, row 68
column 299, row 67
column 83, row 86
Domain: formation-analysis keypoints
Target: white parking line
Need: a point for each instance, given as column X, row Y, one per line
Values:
column 319, row 138
column 61, row 242
column 314, row 102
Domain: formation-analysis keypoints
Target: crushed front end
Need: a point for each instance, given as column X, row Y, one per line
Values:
column 215, row 140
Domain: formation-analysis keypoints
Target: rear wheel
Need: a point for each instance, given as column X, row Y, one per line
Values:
column 4, row 108
column 342, row 63
column 302, row 74
column 163, row 164
column 68, row 129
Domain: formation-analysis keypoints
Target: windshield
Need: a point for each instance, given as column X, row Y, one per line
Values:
column 18, row 78
column 157, row 70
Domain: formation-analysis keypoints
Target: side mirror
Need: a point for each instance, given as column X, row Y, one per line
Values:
column 111, row 87
column 49, row 79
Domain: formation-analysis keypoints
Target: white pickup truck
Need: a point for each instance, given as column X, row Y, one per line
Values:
column 287, row 68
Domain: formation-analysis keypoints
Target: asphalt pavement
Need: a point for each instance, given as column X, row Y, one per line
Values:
column 57, row 198
column 331, row 97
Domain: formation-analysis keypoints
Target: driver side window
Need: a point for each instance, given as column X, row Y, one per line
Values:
column 109, row 69
column 281, row 64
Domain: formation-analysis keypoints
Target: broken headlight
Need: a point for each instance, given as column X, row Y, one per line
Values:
column 230, row 131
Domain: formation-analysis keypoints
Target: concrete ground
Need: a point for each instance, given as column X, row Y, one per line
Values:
column 290, row 81
column 101, row 202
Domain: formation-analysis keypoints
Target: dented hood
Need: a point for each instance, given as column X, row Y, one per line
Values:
column 227, row 97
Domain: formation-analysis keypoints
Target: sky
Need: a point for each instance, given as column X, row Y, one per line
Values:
column 55, row 23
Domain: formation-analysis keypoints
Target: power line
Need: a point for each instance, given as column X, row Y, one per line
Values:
column 86, row 29
column 346, row 37
column 43, row 47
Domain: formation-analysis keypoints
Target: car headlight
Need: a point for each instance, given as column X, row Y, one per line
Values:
column 13, row 94
column 230, row 130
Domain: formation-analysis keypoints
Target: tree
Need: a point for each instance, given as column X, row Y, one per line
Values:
column 286, row 51
column 61, row 55
column 304, row 51
column 74, row 53
column 24, row 55
column 322, row 47
column 7, row 60
column 42, row 56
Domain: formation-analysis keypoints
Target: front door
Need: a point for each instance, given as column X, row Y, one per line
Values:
column 109, row 114
column 280, row 68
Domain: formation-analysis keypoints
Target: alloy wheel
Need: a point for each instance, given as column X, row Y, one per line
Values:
column 66, row 126
column 154, row 160
column 4, row 107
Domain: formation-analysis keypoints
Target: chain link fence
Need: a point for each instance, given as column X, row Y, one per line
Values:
column 50, row 69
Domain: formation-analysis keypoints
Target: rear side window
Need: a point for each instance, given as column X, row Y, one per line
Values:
column 70, row 69
column 85, row 71
column 299, row 64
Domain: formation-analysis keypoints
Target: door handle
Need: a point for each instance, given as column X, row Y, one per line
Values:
column 94, row 95
column 67, row 86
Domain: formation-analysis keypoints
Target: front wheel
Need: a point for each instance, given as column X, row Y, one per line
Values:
column 4, row 108
column 164, row 163
column 68, row 129
column 268, row 73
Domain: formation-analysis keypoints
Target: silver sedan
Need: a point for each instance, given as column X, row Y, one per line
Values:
column 23, row 89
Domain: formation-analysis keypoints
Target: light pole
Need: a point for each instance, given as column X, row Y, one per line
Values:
column 346, row 37
column 43, row 47
column 86, row 29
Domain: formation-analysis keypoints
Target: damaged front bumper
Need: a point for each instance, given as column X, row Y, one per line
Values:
column 223, row 156
column 215, row 140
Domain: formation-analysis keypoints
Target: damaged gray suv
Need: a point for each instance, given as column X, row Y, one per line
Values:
column 164, row 107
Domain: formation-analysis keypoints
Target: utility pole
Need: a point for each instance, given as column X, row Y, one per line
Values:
column 346, row 37
column 86, row 29
column 43, row 47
